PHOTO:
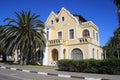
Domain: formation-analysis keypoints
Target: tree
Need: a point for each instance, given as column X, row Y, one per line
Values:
column 113, row 46
column 22, row 34
column 2, row 29
column 117, row 2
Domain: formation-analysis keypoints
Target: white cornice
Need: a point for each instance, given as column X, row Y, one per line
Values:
column 90, row 22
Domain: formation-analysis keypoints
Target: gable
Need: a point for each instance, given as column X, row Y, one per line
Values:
column 67, row 15
column 63, row 13
column 52, row 16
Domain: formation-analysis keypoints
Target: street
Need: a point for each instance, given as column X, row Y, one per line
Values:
column 7, row 74
column 7, row 77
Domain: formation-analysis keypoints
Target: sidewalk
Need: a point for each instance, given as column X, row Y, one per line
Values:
column 52, row 72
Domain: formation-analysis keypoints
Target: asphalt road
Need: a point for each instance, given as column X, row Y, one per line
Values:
column 7, row 74
column 7, row 77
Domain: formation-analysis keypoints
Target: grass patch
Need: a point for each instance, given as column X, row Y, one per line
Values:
column 31, row 66
column 40, row 67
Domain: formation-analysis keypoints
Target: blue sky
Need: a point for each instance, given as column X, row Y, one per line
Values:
column 102, row 12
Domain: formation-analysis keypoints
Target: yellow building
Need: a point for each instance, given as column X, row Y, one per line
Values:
column 70, row 36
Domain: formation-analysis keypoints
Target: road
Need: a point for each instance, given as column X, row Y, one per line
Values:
column 7, row 74
column 7, row 77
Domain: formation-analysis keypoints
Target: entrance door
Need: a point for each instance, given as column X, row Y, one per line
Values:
column 54, row 55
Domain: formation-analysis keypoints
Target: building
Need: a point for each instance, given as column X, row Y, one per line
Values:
column 70, row 36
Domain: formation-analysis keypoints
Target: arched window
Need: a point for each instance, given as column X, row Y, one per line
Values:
column 63, row 18
column 86, row 33
column 57, row 20
column 76, row 54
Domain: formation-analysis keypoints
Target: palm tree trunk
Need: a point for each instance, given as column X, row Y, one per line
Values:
column 29, row 58
column 21, row 58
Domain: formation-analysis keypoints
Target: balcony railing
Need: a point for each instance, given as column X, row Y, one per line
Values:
column 85, row 40
column 56, row 41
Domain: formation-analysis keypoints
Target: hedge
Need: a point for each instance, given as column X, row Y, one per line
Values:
column 107, row 66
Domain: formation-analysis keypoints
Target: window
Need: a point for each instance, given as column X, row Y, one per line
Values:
column 57, row 19
column 86, row 33
column 93, row 34
column 93, row 53
column 62, row 18
column 47, row 35
column 59, row 35
column 97, row 54
column 71, row 34
column 51, row 21
column 97, row 36
column 64, row 53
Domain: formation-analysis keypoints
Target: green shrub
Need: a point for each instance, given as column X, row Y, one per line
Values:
column 108, row 66
column 63, row 65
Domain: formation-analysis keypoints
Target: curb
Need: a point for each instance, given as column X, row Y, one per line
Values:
column 52, row 74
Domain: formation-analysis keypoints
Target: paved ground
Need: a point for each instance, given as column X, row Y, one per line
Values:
column 7, row 77
column 7, row 74
column 52, row 72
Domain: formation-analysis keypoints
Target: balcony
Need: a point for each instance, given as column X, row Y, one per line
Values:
column 56, row 42
column 85, row 40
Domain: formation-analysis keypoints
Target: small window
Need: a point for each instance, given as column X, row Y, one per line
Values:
column 59, row 35
column 71, row 34
column 51, row 21
column 86, row 33
column 62, row 18
column 57, row 19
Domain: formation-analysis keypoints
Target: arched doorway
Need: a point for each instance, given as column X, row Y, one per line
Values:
column 76, row 54
column 55, row 55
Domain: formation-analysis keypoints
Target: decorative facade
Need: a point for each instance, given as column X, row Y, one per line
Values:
column 70, row 36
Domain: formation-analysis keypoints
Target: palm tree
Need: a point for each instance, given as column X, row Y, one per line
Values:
column 22, row 34
column 2, row 29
